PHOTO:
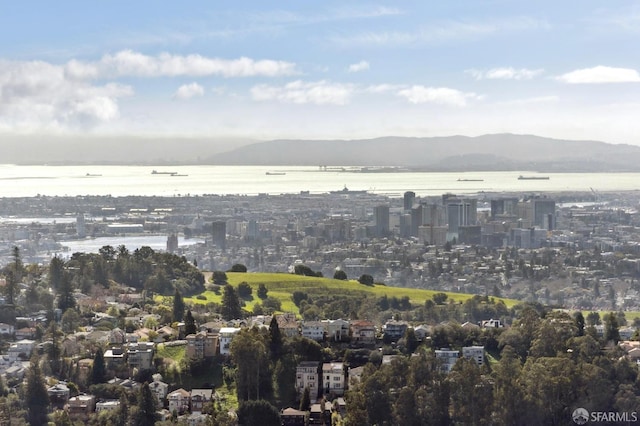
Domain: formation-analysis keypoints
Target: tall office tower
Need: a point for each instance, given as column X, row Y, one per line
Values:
column 81, row 230
column 416, row 219
column 219, row 234
column 409, row 198
column 544, row 213
column 172, row 243
column 461, row 212
column 503, row 206
column 381, row 217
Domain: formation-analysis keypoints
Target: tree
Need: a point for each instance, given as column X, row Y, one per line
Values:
column 146, row 412
column 98, row 371
column 340, row 275
column 440, row 298
column 178, row 306
column 365, row 279
column 230, row 304
column 14, row 275
column 611, row 332
column 244, row 290
column 580, row 322
column 70, row 320
column 262, row 291
column 66, row 299
column 238, row 267
column 258, row 413
column 275, row 337
column 305, row 401
column 219, row 277
column 122, row 414
column 36, row 396
column 249, row 353
column 508, row 398
column 189, row 324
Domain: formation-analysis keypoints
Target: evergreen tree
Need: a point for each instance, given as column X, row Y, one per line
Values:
column 262, row 291
column 146, row 413
column 305, row 401
column 230, row 304
column 98, row 369
column 66, row 300
column 56, row 270
column 178, row 306
column 122, row 414
column 275, row 344
column 611, row 332
column 36, row 396
column 189, row 324
column 259, row 412
column 580, row 323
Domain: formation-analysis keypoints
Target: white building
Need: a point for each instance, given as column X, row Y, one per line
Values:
column 226, row 335
column 333, row 378
column 313, row 330
column 109, row 405
column 447, row 359
column 475, row 353
column 307, row 377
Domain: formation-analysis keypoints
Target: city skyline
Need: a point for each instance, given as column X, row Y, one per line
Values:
column 336, row 70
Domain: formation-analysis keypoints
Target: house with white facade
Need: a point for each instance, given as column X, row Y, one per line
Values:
column 307, row 377
column 313, row 330
column 333, row 378
column 447, row 358
column 178, row 401
column 225, row 337
column 475, row 353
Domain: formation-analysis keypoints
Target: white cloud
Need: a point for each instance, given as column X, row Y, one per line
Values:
column 131, row 63
column 360, row 66
column 39, row 95
column 188, row 91
column 384, row 88
column 601, row 74
column 418, row 94
column 441, row 32
column 300, row 92
column 506, row 73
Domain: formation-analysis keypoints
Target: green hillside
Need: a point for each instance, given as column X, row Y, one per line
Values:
column 282, row 286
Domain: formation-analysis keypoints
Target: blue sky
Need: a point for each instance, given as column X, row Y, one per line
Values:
column 331, row 69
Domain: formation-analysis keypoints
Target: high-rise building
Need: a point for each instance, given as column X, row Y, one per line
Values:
column 219, row 234
column 409, row 198
column 461, row 212
column 381, row 218
column 172, row 243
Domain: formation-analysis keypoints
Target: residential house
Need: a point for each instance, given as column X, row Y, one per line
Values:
column 6, row 329
column 58, row 394
column 202, row 345
column 80, row 407
column 21, row 350
column 394, row 330
column 26, row 333
column 196, row 419
column 292, row 417
column 140, row 355
column 355, row 375
column 199, row 397
column 333, row 380
column 491, row 323
column 109, row 405
column 117, row 336
column 320, row 414
column 114, row 357
column 160, row 390
column 447, row 358
column 363, row 333
column 167, row 333
column 225, row 337
column 336, row 330
column 288, row 325
column 178, row 401
column 475, row 353
column 313, row 330
column 307, row 377
column 422, row 331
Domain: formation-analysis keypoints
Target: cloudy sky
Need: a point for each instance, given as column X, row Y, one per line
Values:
column 331, row 69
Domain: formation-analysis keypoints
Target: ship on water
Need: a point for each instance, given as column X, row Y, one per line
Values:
column 155, row 172
column 533, row 177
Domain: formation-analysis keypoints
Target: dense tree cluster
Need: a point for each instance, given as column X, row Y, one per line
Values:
column 144, row 269
column 548, row 364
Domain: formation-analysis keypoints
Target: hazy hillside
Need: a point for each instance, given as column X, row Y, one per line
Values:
column 487, row 152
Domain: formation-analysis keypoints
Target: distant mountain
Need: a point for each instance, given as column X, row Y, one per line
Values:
column 487, row 152
column 452, row 153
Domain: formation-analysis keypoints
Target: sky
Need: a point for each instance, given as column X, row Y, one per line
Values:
column 314, row 70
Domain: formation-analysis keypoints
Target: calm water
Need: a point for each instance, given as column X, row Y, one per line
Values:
column 21, row 181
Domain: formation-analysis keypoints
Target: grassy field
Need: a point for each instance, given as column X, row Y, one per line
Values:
column 282, row 286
